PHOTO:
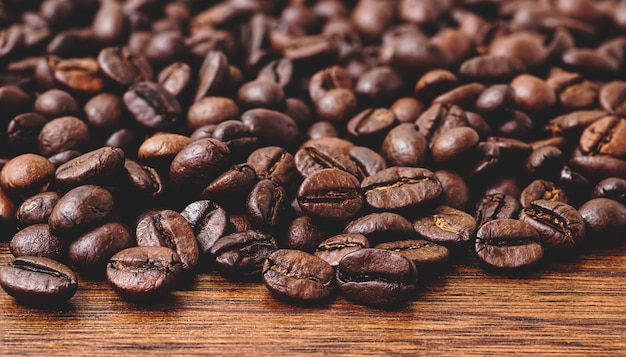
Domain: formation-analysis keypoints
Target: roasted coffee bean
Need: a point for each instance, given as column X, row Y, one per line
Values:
column 573, row 91
column 464, row 96
column 413, row 53
column 447, row 226
column 36, row 209
column 456, row 192
column 304, row 233
column 213, row 74
column 400, row 187
column 198, row 163
column 381, row 227
column 439, row 118
column 560, row 226
column 63, row 157
column 380, row 84
column 279, row 71
column 542, row 190
column 211, row 110
column 330, row 194
column 239, row 138
column 433, row 83
column 56, row 103
column 313, row 158
column 80, row 209
column 62, row 134
column 321, row 129
column 492, row 68
column 209, row 222
column 266, row 204
column 261, row 93
column 613, row 188
column 453, row 145
column 297, row 276
column 326, row 79
column 336, row 105
column 376, row 277
column 159, row 150
column 37, row 240
column 165, row 47
column 105, row 112
column 545, row 162
column 598, row 167
column 103, row 167
column 496, row 206
column 368, row 161
column 26, row 175
column 613, row 97
column 242, row 255
column 588, row 61
column 79, row 74
column 90, row 252
column 175, row 78
column 168, row 228
column 574, row 122
column 605, row 220
column 333, row 249
column 151, row 105
column 144, row 273
column 234, row 183
column 271, row 127
column 508, row 244
column 605, row 136
column 143, row 180
column 495, row 99
column 124, row 67
column 108, row 22
column 38, row 281
column 407, row 109
column 428, row 257
column 23, row 130
column 371, row 124
column 274, row 163
column 405, row 145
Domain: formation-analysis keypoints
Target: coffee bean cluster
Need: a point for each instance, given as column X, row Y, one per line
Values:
column 319, row 146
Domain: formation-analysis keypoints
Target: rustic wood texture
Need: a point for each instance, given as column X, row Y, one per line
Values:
column 576, row 308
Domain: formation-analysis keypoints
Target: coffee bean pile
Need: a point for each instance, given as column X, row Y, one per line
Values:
column 321, row 146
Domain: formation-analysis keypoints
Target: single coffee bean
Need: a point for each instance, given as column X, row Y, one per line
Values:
column 151, row 105
column 542, row 190
column 574, row 122
column 198, row 163
column 492, row 68
column 439, row 118
column 211, row 110
column 209, row 222
column 144, row 273
column 313, row 158
column 63, row 157
column 159, row 150
column 304, row 233
column 232, row 185
column 463, row 96
column 105, row 112
column 371, row 124
column 508, row 244
column 495, row 99
column 124, row 67
column 573, row 91
column 560, row 226
column 56, row 103
column 90, row 252
column 333, row 249
column 381, row 227
column 62, row 134
column 103, row 166
column 456, row 192
column 376, row 277
column 23, row 130
column 605, row 220
column 605, row 136
column 144, row 181
column 330, row 194
column 453, row 145
column 407, row 109
column 239, row 138
column 26, row 175
column 326, row 79
column 280, row 71
column 368, row 161
column 447, row 226
column 261, row 93
column 297, row 276
column 266, row 203
column 38, row 281
column 37, row 240
column 175, row 78
column 400, row 187
column 272, row 127
column 434, row 83
column 79, row 74
column 429, row 258
column 545, row 162
column 321, row 129
column 242, row 255
column 80, row 209
column 213, row 74
column 274, row 163
column 613, row 97
column 168, row 228
column 36, row 209
column 496, row 206
column 613, row 188
column 598, row 167
column 405, row 145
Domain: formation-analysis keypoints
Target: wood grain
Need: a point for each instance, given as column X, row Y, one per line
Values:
column 574, row 308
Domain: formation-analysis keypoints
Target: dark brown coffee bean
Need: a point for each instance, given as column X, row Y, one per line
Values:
column 605, row 220
column 198, row 163
column 304, row 233
column 313, row 158
column 151, row 105
column 79, row 74
column 407, row 109
column 143, row 180
column 23, row 130
column 439, row 118
column 428, row 257
column 492, row 67
column 574, row 122
column 108, row 22
column 371, row 124
column 56, row 103
column 62, row 134
column 400, row 187
column 103, row 167
column 322, row 129
column 272, row 127
column 322, row 81
column 105, row 112
column 26, row 175
column 261, row 93
column 606, row 136
column 368, row 161
column 234, row 183
column 144, row 273
column 456, row 192
column 381, row 227
column 414, row 53
column 464, row 95
column 168, row 228
column 588, row 61
column 90, row 252
column 266, row 203
column 336, row 105
column 613, row 97
column 613, row 188
column 545, row 162
column 242, row 255
column 333, row 249
column 376, row 277
column 573, row 91
column 209, row 222
column 38, row 281
column 211, row 110
column 38, row 241
column 123, row 66
column 297, row 276
column 496, row 206
column 63, row 157
column 79, row 209
column 213, row 74
column 330, row 194
column 159, row 150
column 598, row 167
column 542, row 190
column 560, row 226
column 532, row 94
column 495, row 99
column 165, row 47
column 274, row 163
column 453, row 145
column 380, row 84
column 508, row 244
column 36, row 209
column 280, row 71
column 434, row 83
column 446, row 226
column 175, row 78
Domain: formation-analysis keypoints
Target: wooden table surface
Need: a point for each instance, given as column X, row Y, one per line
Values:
column 574, row 308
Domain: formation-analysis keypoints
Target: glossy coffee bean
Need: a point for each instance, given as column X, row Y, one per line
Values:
column 560, row 226
column 209, row 222
column 613, row 188
column 376, row 277
column 198, row 163
column 605, row 220
column 605, row 136
column 38, row 281
column 79, row 209
column 151, row 105
column 333, row 249
column 381, row 227
column 330, row 194
column 231, row 185
column 144, row 273
column 62, row 134
column 542, row 190
column 368, row 161
column 447, row 226
column 26, row 175
column 297, row 276
column 400, row 187
column 37, row 208
column 508, row 244
column 274, row 163
column 496, row 206
column 124, row 67
column 105, row 112
column 266, row 204
column 37, row 240
column 404, row 145
column 159, row 150
column 429, row 258
column 211, row 110
column 103, row 166
column 313, row 158
column 304, row 233
column 55, row 103
column 242, row 255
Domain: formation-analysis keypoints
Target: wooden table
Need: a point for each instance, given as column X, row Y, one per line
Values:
column 576, row 308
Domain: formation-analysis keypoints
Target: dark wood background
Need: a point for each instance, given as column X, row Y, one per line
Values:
column 572, row 307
